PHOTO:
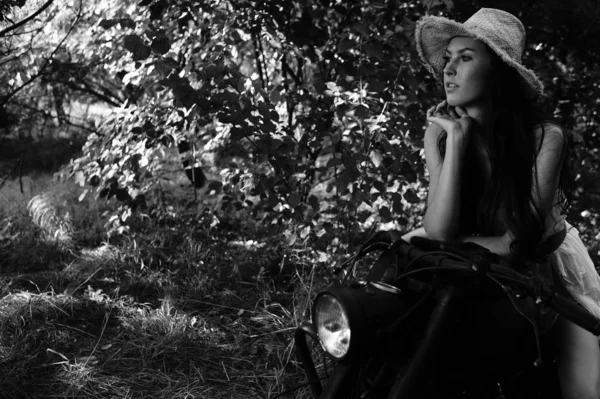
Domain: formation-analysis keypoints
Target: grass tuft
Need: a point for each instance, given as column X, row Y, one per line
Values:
column 182, row 307
column 57, row 228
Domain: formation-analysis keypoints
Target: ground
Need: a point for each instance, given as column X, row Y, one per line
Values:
column 197, row 303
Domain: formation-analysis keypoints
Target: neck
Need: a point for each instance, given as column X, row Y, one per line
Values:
column 482, row 114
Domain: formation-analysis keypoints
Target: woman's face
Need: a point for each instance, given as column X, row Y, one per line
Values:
column 468, row 72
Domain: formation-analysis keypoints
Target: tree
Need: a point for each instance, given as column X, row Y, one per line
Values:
column 313, row 108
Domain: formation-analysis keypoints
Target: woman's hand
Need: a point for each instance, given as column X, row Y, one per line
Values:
column 454, row 120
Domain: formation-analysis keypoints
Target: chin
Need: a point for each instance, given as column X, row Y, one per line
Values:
column 455, row 102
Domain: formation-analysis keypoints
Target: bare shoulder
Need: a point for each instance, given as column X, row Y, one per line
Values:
column 550, row 136
column 550, row 131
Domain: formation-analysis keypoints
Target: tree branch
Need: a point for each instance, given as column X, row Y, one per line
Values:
column 29, row 18
column 47, row 61
column 89, row 90
column 255, row 37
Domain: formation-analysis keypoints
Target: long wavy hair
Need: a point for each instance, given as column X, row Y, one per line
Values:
column 512, row 149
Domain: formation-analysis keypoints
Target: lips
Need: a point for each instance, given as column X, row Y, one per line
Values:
column 451, row 85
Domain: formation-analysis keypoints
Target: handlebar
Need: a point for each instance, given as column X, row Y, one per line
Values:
column 440, row 259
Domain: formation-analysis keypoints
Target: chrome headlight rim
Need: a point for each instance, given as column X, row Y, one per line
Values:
column 343, row 330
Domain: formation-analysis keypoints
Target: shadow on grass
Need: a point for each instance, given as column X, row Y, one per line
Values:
column 186, row 312
column 95, row 347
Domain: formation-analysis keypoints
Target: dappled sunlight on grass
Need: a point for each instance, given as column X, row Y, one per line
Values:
column 180, row 307
column 132, row 350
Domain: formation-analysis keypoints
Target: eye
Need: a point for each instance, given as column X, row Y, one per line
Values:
column 332, row 326
column 465, row 58
column 446, row 59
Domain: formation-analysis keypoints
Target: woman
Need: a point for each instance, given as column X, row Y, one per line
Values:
column 497, row 169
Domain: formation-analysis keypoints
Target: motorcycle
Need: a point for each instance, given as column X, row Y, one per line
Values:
column 432, row 319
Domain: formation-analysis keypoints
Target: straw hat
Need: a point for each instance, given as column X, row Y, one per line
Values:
column 500, row 30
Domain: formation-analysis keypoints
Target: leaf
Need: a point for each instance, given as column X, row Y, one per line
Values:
column 346, row 44
column 335, row 162
column 397, row 204
column 305, row 232
column 185, row 94
column 107, row 23
column 80, row 178
column 411, row 197
column 376, row 86
column 342, row 182
column 361, row 28
column 127, row 23
column 360, row 197
column 361, row 111
column 413, row 83
column 160, row 45
column 83, row 195
column 294, row 200
column 314, row 202
column 380, row 186
column 376, row 158
column 374, row 50
column 408, row 172
column 137, row 47
column 122, row 195
column 275, row 96
column 94, row 180
column 214, row 185
column 385, row 214
column 291, row 239
column 429, row 4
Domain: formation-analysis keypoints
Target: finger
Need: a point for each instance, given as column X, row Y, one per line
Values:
column 452, row 112
column 430, row 111
column 440, row 112
column 461, row 111
column 440, row 107
column 441, row 117
column 442, row 122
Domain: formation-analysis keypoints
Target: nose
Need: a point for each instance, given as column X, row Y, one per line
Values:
column 449, row 69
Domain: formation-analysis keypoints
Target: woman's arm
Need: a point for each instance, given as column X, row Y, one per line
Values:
column 442, row 218
column 500, row 245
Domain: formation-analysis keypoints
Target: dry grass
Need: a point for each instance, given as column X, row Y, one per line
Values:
column 56, row 227
column 178, row 309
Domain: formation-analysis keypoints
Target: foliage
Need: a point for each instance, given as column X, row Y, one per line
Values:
column 7, row 5
column 306, row 108
column 308, row 112
column 307, row 118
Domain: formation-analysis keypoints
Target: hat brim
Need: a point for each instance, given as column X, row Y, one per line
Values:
column 433, row 34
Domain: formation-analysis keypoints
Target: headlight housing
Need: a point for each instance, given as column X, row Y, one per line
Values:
column 333, row 328
column 348, row 317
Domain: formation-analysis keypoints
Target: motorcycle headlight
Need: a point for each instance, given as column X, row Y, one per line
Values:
column 333, row 328
column 348, row 317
